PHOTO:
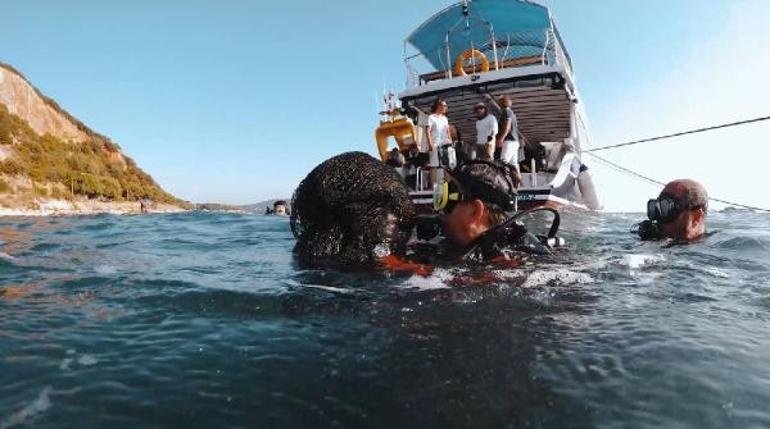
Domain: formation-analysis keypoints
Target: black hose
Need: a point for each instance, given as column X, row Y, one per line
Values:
column 554, row 225
column 510, row 222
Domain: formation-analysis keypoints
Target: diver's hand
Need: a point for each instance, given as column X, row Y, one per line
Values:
column 396, row 264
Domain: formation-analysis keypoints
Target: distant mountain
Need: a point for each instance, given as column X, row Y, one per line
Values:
column 262, row 205
column 47, row 154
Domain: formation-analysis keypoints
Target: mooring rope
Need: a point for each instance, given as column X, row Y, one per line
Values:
column 629, row 172
column 683, row 133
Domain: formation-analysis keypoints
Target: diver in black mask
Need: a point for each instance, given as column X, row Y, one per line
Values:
column 679, row 213
column 477, row 206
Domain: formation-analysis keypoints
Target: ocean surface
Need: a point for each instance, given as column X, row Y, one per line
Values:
column 203, row 320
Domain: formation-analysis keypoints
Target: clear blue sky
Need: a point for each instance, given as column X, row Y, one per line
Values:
column 235, row 101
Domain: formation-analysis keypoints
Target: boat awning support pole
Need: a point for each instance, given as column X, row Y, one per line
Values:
column 448, row 57
column 494, row 46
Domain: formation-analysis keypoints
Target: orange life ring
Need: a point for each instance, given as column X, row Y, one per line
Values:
column 465, row 56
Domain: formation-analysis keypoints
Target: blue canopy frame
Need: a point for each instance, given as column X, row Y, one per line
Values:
column 485, row 25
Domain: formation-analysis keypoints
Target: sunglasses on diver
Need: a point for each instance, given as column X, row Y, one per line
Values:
column 665, row 208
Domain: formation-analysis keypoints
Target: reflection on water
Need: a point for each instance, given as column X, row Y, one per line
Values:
column 203, row 320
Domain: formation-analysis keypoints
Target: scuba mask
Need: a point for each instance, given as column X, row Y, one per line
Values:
column 664, row 209
column 462, row 186
column 660, row 211
column 447, row 194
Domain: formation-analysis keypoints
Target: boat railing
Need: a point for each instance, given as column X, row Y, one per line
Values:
column 520, row 49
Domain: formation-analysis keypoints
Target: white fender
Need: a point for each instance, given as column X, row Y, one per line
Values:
column 587, row 189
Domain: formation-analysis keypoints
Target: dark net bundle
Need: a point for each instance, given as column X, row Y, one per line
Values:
column 349, row 211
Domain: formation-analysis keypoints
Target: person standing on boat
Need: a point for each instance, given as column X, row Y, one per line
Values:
column 508, row 138
column 437, row 134
column 486, row 134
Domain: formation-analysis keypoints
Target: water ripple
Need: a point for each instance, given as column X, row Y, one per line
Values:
column 198, row 319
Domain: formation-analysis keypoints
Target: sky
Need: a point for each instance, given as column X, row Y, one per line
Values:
column 234, row 101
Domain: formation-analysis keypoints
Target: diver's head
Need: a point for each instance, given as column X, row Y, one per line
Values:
column 475, row 198
column 680, row 210
column 349, row 212
column 480, row 110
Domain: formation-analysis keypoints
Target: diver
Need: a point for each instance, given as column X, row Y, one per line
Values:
column 679, row 213
column 353, row 213
column 349, row 212
column 479, row 218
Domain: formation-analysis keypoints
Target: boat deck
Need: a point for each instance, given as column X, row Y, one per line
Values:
column 542, row 107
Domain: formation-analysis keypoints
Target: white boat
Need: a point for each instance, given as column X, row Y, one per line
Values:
column 476, row 51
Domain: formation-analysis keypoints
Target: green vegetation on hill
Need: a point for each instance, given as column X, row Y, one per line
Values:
column 94, row 168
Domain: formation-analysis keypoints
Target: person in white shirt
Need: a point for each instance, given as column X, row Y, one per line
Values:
column 486, row 134
column 437, row 134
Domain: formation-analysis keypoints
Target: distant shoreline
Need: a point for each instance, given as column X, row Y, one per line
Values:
column 68, row 208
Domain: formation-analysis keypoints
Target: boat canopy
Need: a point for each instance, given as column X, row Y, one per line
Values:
column 519, row 27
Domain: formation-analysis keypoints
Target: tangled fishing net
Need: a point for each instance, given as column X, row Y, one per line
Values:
column 349, row 211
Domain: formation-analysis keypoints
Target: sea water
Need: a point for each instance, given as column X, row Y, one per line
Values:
column 204, row 320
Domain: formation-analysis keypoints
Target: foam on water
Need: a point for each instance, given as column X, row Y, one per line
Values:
column 556, row 277
column 6, row 257
column 440, row 278
column 38, row 406
column 639, row 261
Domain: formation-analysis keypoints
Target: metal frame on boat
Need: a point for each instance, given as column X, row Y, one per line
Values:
column 477, row 51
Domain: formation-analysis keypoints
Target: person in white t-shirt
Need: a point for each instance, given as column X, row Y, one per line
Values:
column 437, row 134
column 486, row 134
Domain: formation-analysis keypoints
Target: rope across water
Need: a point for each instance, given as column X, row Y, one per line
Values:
column 625, row 170
column 629, row 172
column 680, row 134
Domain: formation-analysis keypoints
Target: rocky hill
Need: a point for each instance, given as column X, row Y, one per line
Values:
column 47, row 154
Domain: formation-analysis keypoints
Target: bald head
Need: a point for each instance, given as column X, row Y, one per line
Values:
column 690, row 224
column 689, row 192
